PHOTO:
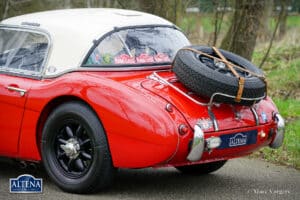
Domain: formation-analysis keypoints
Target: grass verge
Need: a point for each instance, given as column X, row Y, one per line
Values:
column 282, row 71
column 289, row 152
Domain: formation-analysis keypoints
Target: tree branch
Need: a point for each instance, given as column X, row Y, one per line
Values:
column 272, row 39
column 219, row 16
column 121, row 4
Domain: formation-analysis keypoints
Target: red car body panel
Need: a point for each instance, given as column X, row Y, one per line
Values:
column 12, row 109
column 131, row 107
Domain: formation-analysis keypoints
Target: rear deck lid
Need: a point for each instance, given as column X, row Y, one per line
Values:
column 197, row 109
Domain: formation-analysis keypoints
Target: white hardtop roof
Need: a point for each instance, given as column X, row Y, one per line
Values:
column 72, row 31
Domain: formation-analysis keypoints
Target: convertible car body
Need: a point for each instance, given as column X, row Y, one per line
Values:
column 86, row 91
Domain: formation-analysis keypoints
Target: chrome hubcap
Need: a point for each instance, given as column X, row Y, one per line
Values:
column 74, row 148
column 71, row 148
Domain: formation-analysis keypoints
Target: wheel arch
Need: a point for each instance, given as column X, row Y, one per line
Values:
column 50, row 106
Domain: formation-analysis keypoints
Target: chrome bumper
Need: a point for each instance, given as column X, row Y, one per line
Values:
column 278, row 139
column 199, row 142
column 198, row 145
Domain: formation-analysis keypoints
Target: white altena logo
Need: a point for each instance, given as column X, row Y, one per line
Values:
column 26, row 183
column 238, row 140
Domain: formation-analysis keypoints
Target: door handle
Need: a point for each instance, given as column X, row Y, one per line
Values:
column 21, row 91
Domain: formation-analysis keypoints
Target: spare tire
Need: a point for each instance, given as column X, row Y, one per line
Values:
column 205, row 76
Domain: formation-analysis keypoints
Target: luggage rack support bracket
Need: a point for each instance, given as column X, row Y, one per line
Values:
column 155, row 76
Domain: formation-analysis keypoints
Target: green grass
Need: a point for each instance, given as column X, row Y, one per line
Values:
column 190, row 23
column 293, row 21
column 284, row 80
column 282, row 69
column 208, row 24
column 289, row 108
column 289, row 153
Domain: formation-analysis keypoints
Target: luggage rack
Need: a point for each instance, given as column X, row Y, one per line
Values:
column 155, row 76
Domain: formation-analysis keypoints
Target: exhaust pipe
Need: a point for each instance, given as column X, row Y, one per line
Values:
column 31, row 166
column 22, row 164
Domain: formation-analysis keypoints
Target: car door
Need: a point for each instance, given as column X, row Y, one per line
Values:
column 13, row 93
column 22, row 56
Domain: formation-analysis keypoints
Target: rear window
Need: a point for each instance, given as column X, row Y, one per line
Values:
column 136, row 46
column 22, row 51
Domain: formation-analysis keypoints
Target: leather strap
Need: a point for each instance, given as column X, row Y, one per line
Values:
column 231, row 66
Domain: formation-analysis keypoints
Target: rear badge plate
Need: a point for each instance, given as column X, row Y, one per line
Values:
column 238, row 139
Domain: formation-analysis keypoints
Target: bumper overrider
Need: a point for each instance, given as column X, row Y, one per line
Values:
column 199, row 143
column 278, row 139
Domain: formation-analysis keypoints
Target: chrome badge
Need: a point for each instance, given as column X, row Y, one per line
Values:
column 205, row 123
column 264, row 117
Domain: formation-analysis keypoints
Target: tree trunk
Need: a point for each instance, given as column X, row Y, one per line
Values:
column 168, row 9
column 5, row 9
column 242, row 34
column 2, row 5
column 67, row 4
column 282, row 24
column 272, row 38
column 265, row 31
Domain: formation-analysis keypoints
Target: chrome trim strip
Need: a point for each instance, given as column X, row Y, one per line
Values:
column 111, row 69
column 198, row 145
column 156, row 77
column 122, row 69
column 255, row 115
column 213, row 119
column 233, row 97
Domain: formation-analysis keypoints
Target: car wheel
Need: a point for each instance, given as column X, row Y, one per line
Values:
column 206, row 76
column 74, row 149
column 205, row 168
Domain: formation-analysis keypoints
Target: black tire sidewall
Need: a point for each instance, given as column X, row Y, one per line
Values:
column 205, row 81
column 228, row 80
column 101, row 157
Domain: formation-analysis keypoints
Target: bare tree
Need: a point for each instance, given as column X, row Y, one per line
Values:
column 265, row 31
column 220, row 10
column 280, row 16
column 6, row 5
column 168, row 9
column 242, row 34
column 67, row 4
column 88, row 3
column 284, row 10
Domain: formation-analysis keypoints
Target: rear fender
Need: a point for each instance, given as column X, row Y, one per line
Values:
column 140, row 131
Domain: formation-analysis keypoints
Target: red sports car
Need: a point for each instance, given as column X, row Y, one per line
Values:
column 87, row 91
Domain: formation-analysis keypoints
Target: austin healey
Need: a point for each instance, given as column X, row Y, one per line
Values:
column 88, row 91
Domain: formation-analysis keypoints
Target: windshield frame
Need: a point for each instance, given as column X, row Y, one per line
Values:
column 123, row 67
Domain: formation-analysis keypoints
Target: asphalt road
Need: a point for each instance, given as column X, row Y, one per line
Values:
column 238, row 179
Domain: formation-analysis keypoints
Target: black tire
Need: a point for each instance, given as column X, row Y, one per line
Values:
column 199, row 76
column 202, row 168
column 89, row 168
